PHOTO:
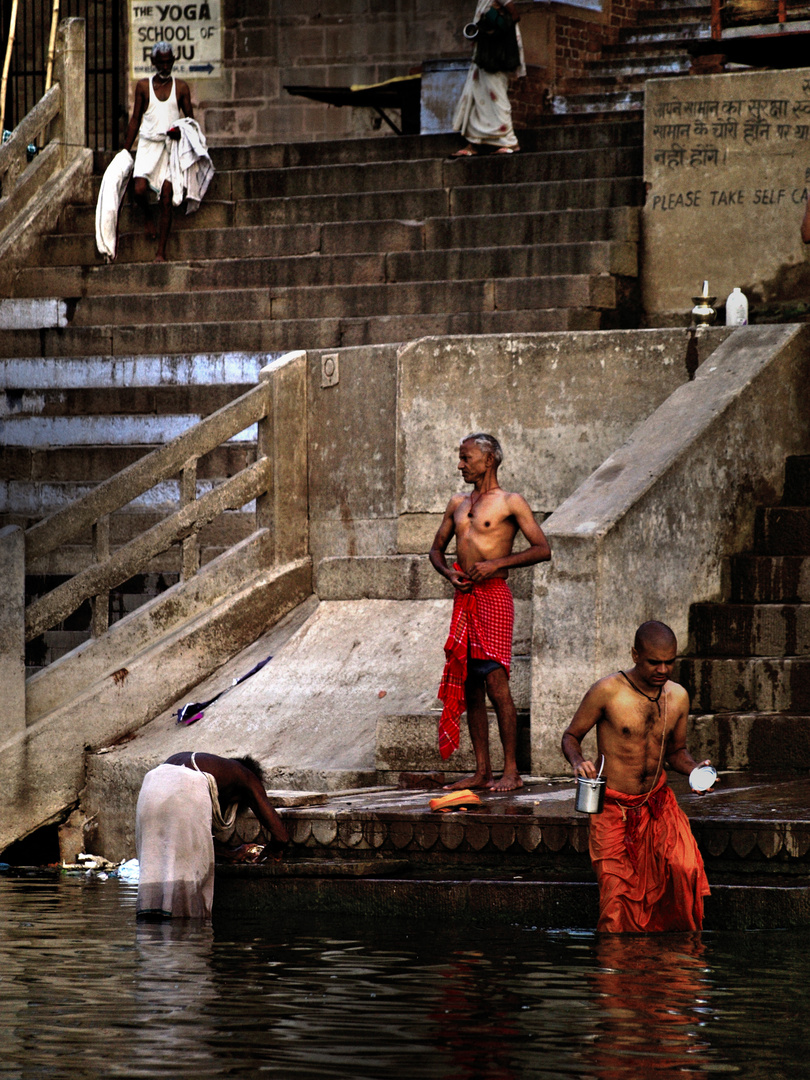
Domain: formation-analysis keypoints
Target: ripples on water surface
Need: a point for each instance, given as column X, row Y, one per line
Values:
column 84, row 992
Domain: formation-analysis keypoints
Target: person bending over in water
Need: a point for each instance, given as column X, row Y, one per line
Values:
column 181, row 804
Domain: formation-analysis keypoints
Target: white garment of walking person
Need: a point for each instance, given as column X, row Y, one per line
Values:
column 483, row 114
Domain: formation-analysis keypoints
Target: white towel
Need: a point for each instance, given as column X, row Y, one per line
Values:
column 190, row 167
column 110, row 196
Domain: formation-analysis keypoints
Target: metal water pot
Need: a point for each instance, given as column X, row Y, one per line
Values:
column 591, row 793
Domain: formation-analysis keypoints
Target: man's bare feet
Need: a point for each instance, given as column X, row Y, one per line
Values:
column 480, row 780
column 510, row 781
column 159, row 259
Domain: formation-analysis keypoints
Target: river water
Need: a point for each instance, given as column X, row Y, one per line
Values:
column 87, row 992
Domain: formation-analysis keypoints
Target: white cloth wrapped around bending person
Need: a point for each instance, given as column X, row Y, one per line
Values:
column 176, row 819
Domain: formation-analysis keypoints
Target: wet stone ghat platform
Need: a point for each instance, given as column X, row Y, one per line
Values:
column 518, row 857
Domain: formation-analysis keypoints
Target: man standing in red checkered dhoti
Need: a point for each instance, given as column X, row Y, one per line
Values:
column 478, row 651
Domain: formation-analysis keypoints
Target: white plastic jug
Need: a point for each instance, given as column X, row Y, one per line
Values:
column 736, row 309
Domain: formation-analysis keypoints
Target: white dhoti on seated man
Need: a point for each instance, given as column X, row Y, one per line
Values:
column 172, row 155
column 483, row 114
column 178, row 816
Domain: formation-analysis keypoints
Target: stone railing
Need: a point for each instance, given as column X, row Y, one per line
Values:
column 649, row 531
column 281, row 510
column 56, row 124
column 93, row 512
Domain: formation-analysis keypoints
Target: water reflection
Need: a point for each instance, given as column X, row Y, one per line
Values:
column 86, row 992
column 172, row 991
column 649, row 991
column 476, row 1021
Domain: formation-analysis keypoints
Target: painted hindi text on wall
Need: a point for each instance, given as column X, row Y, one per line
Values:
column 727, row 171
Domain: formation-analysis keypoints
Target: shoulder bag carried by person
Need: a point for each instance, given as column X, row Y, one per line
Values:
column 496, row 46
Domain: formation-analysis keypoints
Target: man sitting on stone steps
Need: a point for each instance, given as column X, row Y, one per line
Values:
column 159, row 103
column 183, row 804
column 485, row 524
column 650, row 871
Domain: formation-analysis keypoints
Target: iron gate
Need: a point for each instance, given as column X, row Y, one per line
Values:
column 26, row 82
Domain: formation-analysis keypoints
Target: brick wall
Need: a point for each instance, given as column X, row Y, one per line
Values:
column 580, row 39
column 270, row 43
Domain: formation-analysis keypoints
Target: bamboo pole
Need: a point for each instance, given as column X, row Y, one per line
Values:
column 52, row 45
column 12, row 28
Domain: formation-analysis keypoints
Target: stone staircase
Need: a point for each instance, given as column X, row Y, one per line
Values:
column 359, row 242
column 67, row 427
column 654, row 48
column 749, row 672
column 295, row 246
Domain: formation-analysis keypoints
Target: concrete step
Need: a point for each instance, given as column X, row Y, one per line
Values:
column 410, row 743
column 750, row 629
column 762, row 684
column 286, row 334
column 39, row 499
column 447, row 282
column 782, row 530
column 675, row 14
column 94, row 430
column 554, row 195
column 408, row 148
column 399, row 205
column 476, row 900
column 649, row 65
column 547, row 136
column 79, row 217
column 122, row 373
column 751, row 740
column 70, row 559
column 336, row 239
column 119, row 401
column 797, row 481
column 749, row 826
column 228, row 529
column 418, row 175
column 581, row 104
column 638, row 39
column 768, row 579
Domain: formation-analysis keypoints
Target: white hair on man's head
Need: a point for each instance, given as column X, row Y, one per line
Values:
column 487, row 443
column 161, row 48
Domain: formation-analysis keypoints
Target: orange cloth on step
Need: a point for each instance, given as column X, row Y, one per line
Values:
column 650, row 871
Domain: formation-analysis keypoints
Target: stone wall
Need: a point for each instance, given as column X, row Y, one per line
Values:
column 726, row 168
column 648, row 533
column 383, row 439
column 270, row 43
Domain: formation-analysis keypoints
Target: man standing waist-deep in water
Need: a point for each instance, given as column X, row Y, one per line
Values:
column 650, row 872
column 478, row 651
